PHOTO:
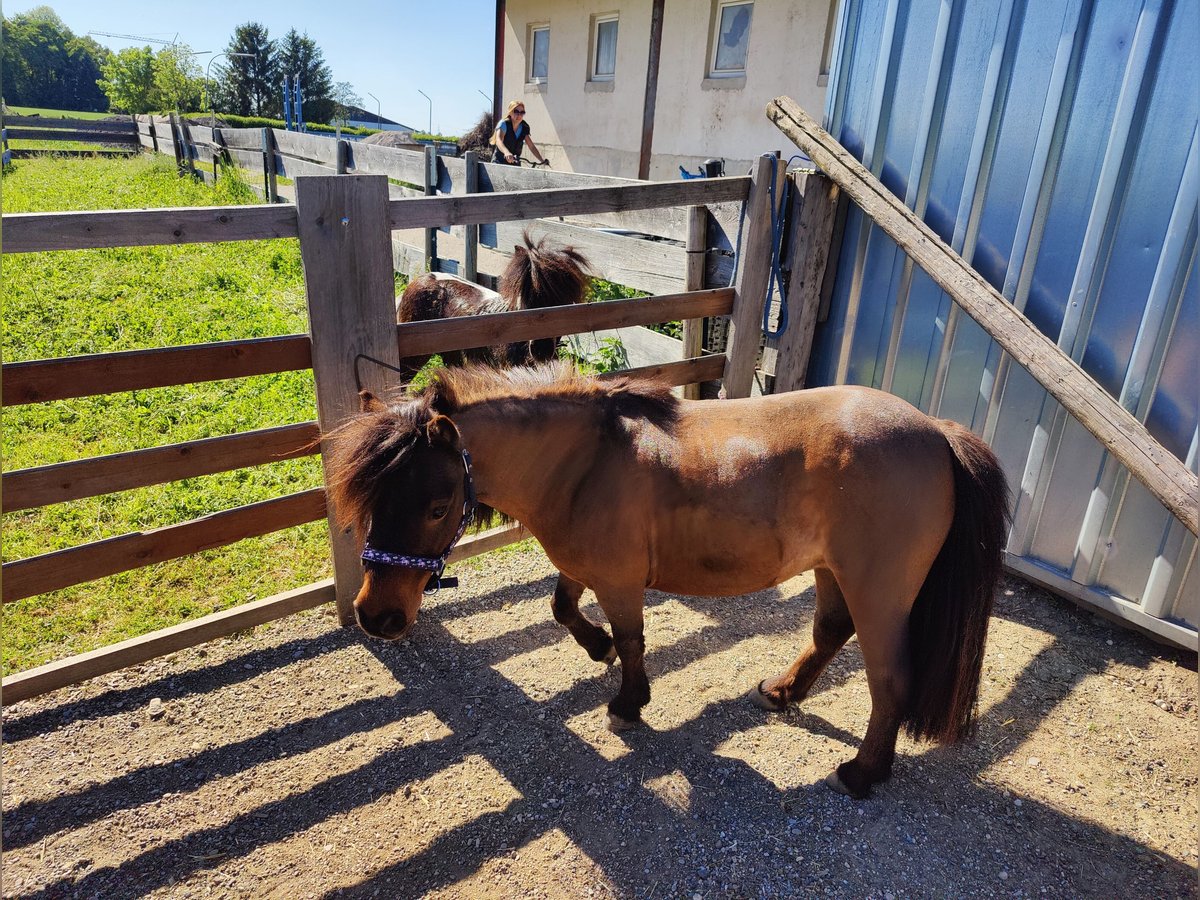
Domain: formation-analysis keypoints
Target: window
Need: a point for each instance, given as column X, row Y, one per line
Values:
column 539, row 53
column 604, row 48
column 731, row 35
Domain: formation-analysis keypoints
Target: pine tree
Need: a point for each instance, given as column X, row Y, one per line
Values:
column 300, row 55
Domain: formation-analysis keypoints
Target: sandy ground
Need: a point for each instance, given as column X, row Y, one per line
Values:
column 306, row 760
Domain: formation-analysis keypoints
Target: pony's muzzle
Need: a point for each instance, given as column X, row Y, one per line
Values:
column 391, row 625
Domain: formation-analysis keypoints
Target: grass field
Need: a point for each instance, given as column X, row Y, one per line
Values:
column 79, row 302
column 55, row 113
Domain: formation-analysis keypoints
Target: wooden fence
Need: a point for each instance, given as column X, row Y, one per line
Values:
column 111, row 137
column 351, row 311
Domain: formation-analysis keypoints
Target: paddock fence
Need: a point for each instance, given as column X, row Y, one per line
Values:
column 116, row 136
column 345, row 226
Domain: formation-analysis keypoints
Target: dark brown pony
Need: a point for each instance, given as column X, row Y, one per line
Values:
column 903, row 517
column 536, row 277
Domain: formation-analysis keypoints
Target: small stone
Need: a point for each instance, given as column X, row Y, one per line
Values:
column 1034, row 762
column 1003, row 875
column 155, row 709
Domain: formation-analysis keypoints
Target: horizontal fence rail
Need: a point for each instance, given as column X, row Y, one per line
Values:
column 42, row 380
column 75, row 480
column 87, row 562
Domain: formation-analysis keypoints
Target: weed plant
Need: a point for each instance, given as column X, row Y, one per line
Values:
column 95, row 301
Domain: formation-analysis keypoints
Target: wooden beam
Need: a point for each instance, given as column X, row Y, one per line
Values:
column 507, row 206
column 92, row 229
column 813, row 212
column 75, row 669
column 471, row 233
column 750, row 289
column 61, row 482
column 43, row 380
column 415, row 338
column 1163, row 474
column 87, row 562
column 681, row 372
column 85, row 137
column 693, row 280
column 650, row 98
column 125, row 127
column 347, row 253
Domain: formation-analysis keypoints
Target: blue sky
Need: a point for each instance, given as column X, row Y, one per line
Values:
column 389, row 49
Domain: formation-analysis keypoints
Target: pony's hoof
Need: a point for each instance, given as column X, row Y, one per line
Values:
column 763, row 701
column 836, row 783
column 616, row 724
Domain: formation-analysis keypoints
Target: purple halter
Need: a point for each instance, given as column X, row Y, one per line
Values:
column 434, row 564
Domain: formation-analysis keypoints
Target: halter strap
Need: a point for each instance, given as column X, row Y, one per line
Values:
column 434, row 564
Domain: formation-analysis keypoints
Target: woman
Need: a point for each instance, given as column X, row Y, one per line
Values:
column 511, row 134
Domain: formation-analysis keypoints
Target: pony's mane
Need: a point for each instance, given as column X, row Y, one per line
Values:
column 375, row 444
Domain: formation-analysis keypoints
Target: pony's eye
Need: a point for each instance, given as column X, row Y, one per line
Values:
column 439, row 512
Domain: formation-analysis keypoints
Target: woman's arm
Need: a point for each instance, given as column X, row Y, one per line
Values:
column 533, row 148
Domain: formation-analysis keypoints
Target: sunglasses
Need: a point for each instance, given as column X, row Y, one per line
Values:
column 519, row 112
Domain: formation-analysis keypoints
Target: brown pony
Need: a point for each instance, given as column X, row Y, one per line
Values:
column 903, row 517
column 536, row 277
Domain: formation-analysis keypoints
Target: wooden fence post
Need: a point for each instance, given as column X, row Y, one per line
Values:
column 176, row 144
column 750, row 287
column 471, row 232
column 270, row 188
column 431, row 180
column 345, row 245
column 187, row 145
column 812, row 212
column 693, row 280
column 343, row 150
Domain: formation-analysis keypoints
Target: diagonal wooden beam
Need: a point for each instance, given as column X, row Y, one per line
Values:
column 1163, row 474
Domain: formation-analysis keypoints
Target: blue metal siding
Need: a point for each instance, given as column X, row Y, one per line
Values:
column 1055, row 146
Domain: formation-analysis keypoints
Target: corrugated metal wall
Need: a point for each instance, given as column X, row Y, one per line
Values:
column 1054, row 145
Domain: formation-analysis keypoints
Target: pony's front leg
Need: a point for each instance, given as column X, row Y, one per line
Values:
column 591, row 637
column 625, row 615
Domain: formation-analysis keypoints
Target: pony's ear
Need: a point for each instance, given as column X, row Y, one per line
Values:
column 368, row 402
column 443, row 431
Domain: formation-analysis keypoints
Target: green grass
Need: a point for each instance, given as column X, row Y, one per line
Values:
column 92, row 301
column 54, row 113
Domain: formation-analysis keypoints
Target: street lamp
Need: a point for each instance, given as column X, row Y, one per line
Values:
column 426, row 96
column 485, row 97
column 378, row 114
column 212, row 114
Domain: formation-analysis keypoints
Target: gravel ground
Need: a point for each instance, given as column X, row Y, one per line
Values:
column 306, row 760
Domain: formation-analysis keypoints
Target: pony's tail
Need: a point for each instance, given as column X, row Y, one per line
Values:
column 949, row 621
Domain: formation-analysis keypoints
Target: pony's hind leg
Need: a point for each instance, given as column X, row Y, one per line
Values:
column 591, row 637
column 832, row 627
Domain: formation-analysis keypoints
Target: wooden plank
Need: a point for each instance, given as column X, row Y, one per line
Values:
column 745, row 323
column 61, row 482
column 76, row 565
column 267, row 146
column 251, row 160
column 681, row 372
column 402, row 165
column 25, row 153
column 429, row 183
column 76, row 669
column 693, row 329
column 471, row 235
column 653, row 266
column 416, row 338
column 290, row 167
column 311, row 147
column 86, row 137
column 124, row 126
column 814, row 210
column 346, row 249
column 439, row 212
column 1163, row 474
column 243, row 138
column 90, row 229
column 43, row 380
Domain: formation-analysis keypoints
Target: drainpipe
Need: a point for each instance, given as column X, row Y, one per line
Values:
column 656, row 23
column 498, row 76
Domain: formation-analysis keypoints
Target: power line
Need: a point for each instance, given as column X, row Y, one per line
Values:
column 136, row 37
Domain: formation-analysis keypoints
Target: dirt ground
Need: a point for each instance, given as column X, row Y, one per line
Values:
column 306, row 760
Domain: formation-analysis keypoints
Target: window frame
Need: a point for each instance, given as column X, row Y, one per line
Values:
column 719, row 7
column 535, row 29
column 597, row 21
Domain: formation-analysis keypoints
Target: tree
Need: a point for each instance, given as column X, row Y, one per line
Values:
column 251, row 85
column 177, row 78
column 300, row 55
column 129, row 80
column 344, row 98
column 45, row 64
